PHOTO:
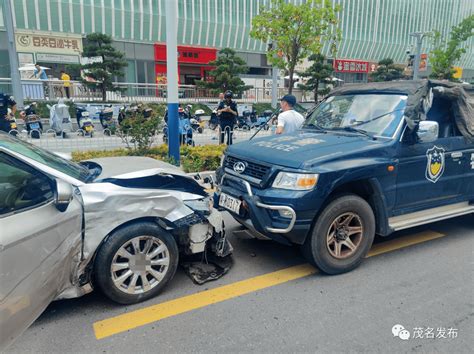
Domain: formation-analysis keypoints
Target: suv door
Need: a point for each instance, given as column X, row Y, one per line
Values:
column 433, row 174
column 37, row 245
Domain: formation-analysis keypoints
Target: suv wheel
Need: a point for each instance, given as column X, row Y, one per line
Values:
column 342, row 235
column 136, row 262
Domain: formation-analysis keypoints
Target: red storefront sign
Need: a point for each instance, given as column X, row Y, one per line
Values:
column 187, row 54
column 351, row 66
column 199, row 56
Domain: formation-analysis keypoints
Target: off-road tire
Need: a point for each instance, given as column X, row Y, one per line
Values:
column 316, row 248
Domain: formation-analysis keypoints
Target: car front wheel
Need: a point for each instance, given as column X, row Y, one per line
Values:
column 342, row 235
column 136, row 262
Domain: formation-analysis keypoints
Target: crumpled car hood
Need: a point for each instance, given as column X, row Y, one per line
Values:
column 128, row 167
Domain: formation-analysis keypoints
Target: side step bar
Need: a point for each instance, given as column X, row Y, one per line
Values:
column 427, row 216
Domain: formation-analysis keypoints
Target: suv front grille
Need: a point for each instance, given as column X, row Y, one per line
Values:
column 253, row 170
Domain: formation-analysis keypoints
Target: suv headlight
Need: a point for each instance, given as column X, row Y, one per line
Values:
column 296, row 181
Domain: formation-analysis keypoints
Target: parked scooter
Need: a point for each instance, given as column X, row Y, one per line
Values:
column 60, row 119
column 196, row 121
column 13, row 126
column 214, row 120
column 121, row 115
column 185, row 129
column 242, row 123
column 33, row 124
column 107, row 120
column 262, row 121
column 84, row 121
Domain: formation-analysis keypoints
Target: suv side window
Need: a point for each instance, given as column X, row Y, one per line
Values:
column 22, row 187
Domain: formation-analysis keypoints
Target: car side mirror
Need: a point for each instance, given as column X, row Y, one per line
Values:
column 428, row 131
column 63, row 195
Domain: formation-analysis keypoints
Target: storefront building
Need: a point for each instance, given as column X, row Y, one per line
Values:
column 193, row 63
column 51, row 50
column 371, row 30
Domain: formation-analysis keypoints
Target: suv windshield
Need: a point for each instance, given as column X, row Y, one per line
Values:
column 376, row 114
column 45, row 157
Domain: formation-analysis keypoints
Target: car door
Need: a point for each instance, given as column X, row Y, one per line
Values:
column 38, row 245
column 428, row 175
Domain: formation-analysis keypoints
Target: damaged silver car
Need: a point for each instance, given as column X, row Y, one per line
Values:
column 120, row 224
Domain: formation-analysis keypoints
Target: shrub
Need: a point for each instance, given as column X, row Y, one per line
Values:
column 137, row 131
column 193, row 159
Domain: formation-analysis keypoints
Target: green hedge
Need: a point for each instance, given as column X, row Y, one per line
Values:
column 193, row 159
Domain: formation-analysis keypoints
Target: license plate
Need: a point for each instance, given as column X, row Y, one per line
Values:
column 88, row 128
column 230, row 203
column 35, row 125
column 13, row 126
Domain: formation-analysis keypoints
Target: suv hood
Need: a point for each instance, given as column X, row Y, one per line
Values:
column 302, row 148
column 130, row 167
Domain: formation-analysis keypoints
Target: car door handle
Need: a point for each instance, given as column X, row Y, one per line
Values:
column 456, row 155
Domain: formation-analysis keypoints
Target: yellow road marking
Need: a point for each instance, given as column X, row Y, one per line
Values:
column 141, row 317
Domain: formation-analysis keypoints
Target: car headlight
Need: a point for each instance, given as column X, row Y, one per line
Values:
column 295, row 181
column 203, row 205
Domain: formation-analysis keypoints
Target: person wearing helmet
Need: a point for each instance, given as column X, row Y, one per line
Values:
column 6, row 101
column 227, row 112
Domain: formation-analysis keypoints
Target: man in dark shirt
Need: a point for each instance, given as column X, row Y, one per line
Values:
column 227, row 112
column 6, row 101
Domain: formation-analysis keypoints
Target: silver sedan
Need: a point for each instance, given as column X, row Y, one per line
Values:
column 116, row 223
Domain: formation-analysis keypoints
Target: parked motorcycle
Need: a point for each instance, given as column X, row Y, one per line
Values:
column 107, row 120
column 33, row 124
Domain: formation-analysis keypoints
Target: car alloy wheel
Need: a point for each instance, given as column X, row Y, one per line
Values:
column 140, row 264
column 344, row 235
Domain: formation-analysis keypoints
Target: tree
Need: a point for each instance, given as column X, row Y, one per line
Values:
column 111, row 65
column 318, row 73
column 226, row 74
column 387, row 71
column 296, row 31
column 447, row 52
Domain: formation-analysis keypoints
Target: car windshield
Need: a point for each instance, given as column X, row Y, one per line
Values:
column 47, row 158
column 375, row 114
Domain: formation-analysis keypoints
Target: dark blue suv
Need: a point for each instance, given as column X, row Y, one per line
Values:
column 370, row 159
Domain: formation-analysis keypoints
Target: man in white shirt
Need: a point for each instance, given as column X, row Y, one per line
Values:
column 289, row 120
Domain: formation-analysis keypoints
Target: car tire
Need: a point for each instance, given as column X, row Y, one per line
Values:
column 115, row 276
column 342, row 235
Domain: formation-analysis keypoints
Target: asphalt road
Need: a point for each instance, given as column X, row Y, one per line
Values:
column 423, row 285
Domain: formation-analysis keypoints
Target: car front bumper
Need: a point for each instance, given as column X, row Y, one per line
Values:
column 260, row 213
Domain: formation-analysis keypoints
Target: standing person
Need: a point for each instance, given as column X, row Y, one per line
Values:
column 6, row 101
column 227, row 112
column 67, row 83
column 289, row 120
column 39, row 73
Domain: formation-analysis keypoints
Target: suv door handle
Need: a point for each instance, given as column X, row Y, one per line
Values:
column 456, row 155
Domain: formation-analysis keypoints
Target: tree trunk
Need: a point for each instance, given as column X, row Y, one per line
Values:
column 316, row 89
column 291, row 71
column 104, row 93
